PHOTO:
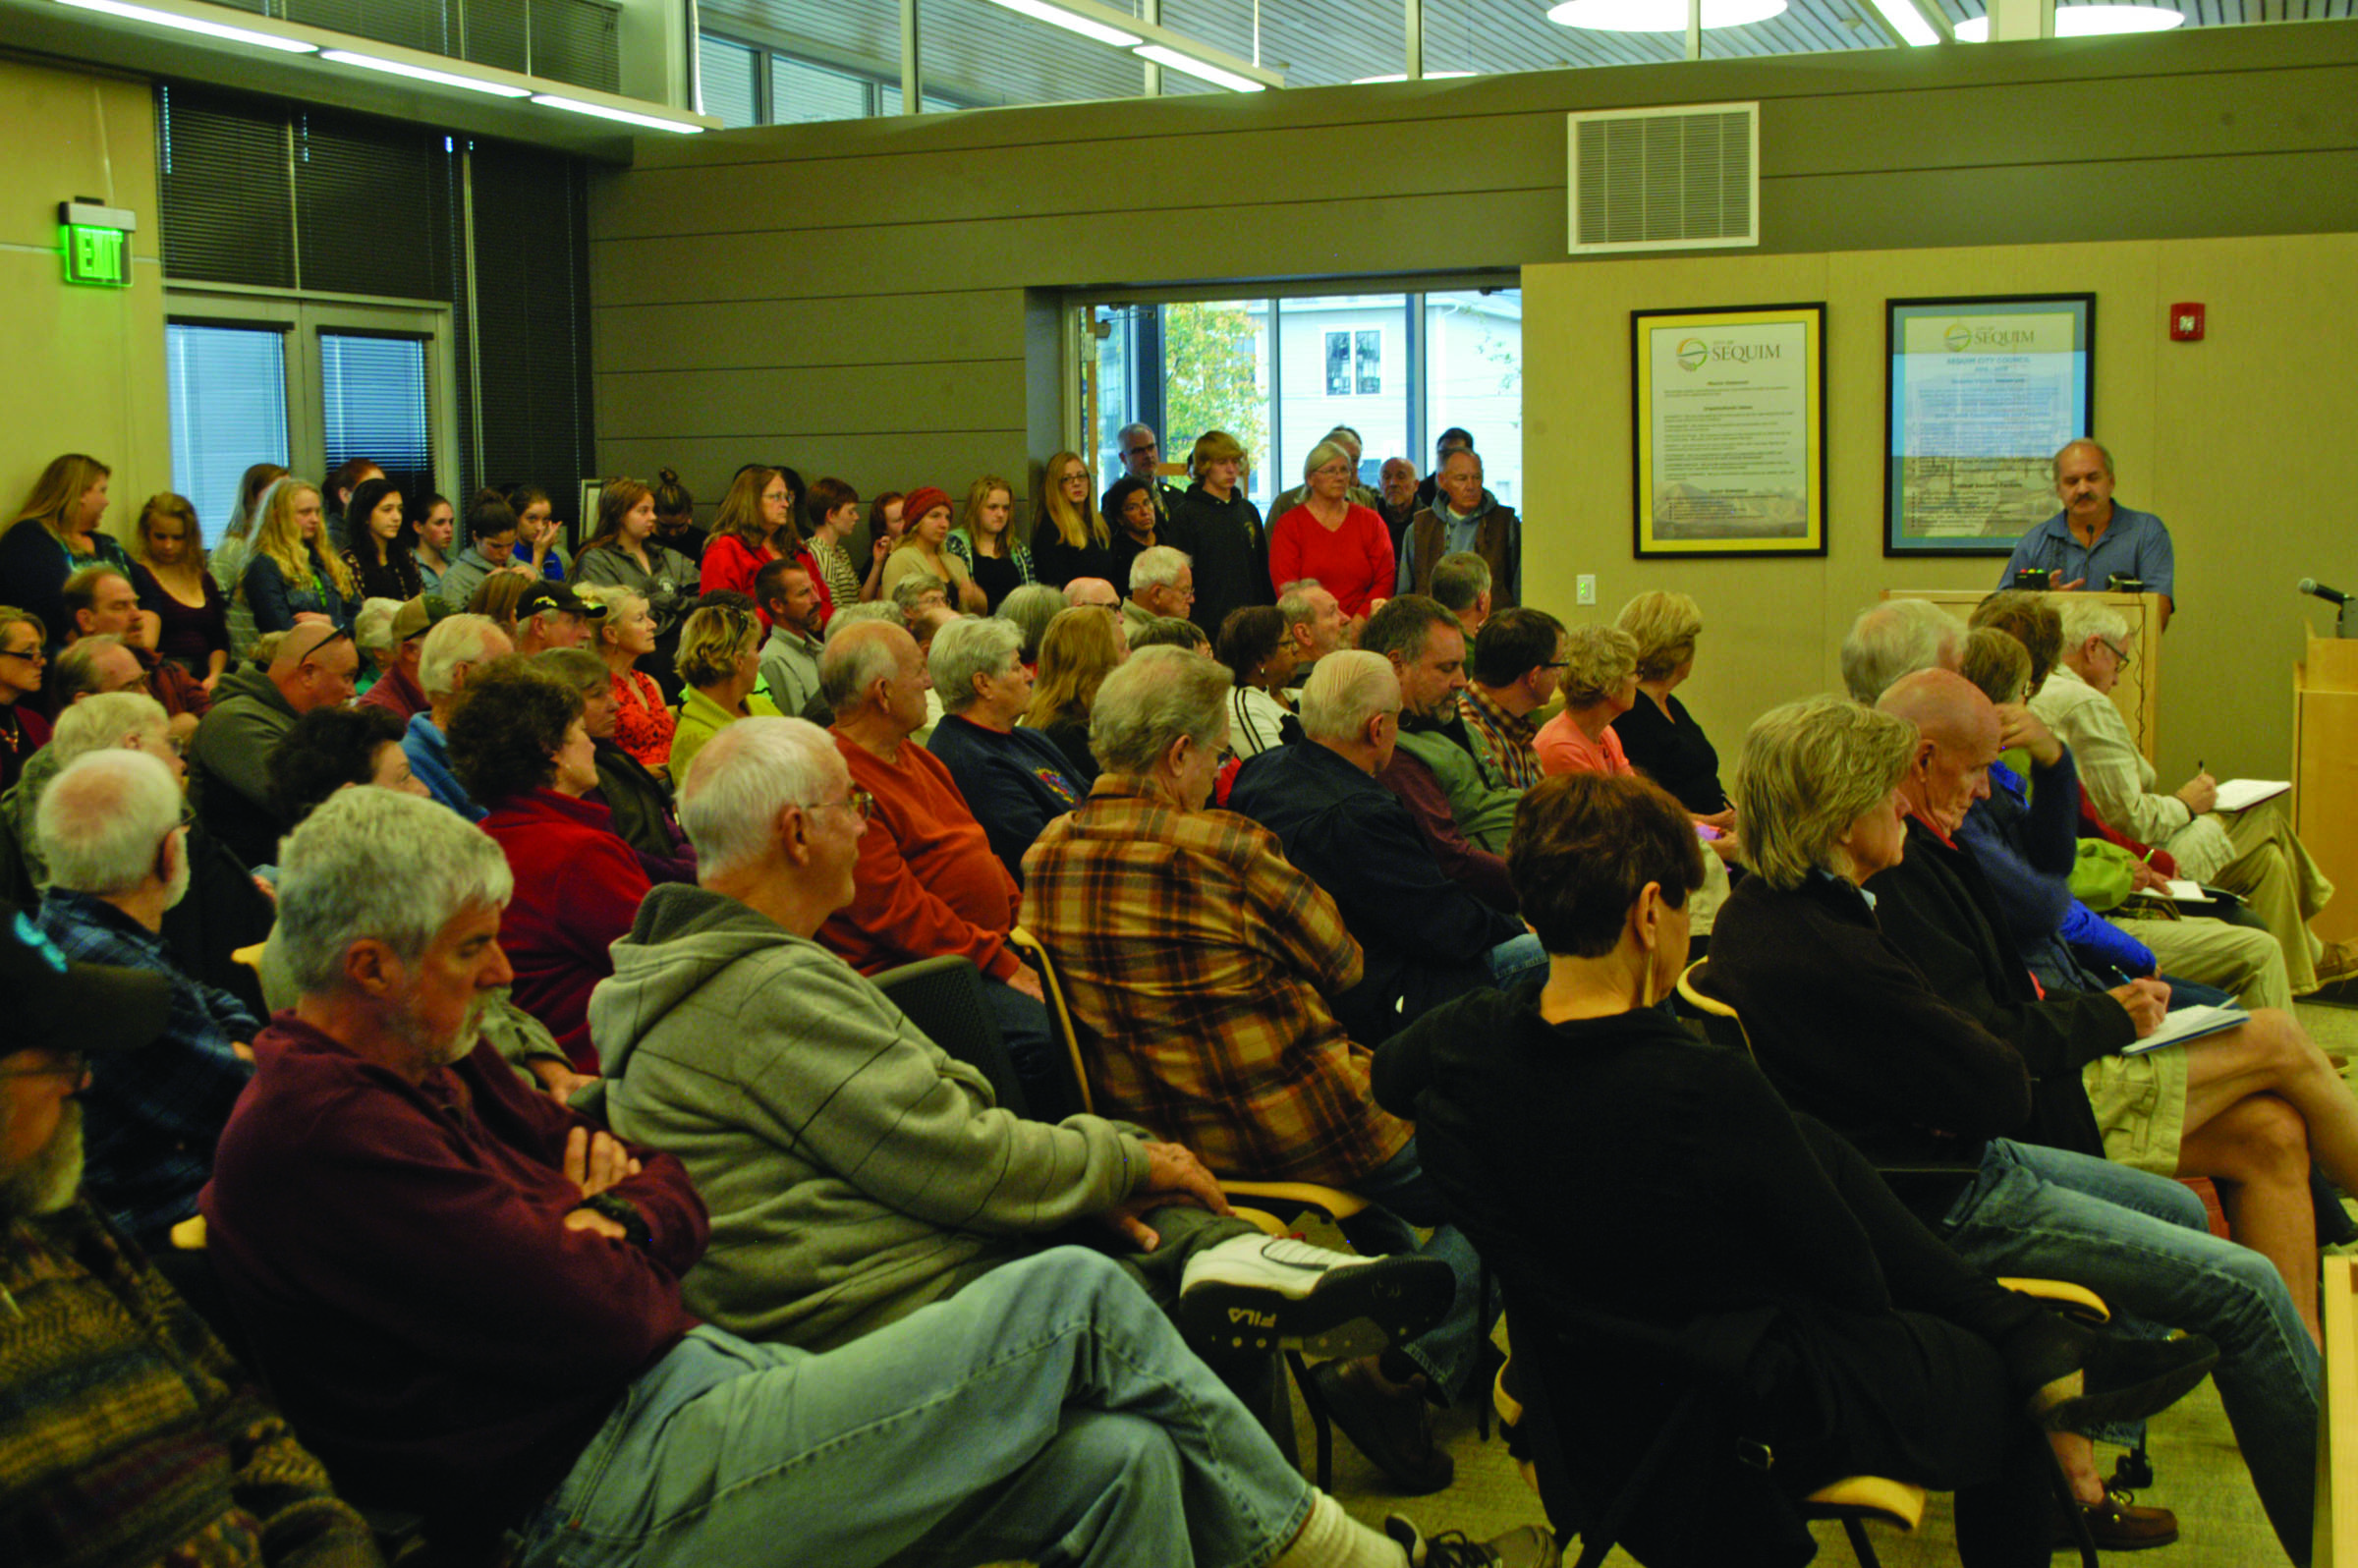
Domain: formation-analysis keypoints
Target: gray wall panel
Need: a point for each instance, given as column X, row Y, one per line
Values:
column 962, row 326
column 827, row 401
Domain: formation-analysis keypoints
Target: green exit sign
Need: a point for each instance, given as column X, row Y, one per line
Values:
column 96, row 242
column 100, row 257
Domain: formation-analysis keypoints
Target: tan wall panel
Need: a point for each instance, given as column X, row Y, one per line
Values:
column 869, row 463
column 828, row 401
column 878, row 330
column 86, row 367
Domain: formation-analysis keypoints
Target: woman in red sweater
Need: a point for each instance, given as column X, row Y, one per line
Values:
column 1343, row 547
column 518, row 742
column 756, row 526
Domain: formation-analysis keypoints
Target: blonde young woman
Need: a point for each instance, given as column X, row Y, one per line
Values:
column 756, row 526
column 293, row 572
column 169, row 579
column 1071, row 538
column 54, row 534
column 923, row 547
column 1080, row 649
column 986, row 542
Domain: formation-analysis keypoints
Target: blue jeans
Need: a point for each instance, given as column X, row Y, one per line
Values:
column 1406, row 1196
column 1516, row 960
column 2140, row 1242
column 1048, row 1412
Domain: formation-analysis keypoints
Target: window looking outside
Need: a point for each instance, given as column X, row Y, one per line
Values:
column 1397, row 369
column 227, row 389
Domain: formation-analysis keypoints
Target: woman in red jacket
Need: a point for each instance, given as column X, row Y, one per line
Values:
column 756, row 526
column 518, row 742
column 1332, row 541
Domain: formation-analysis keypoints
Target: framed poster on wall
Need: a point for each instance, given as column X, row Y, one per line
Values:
column 1980, row 394
column 1730, row 447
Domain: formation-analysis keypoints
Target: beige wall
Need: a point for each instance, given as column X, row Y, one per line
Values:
column 83, row 367
column 2239, row 443
column 866, row 298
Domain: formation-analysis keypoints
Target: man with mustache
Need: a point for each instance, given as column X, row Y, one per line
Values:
column 128, row 1433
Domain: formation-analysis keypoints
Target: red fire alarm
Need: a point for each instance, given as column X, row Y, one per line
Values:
column 2186, row 323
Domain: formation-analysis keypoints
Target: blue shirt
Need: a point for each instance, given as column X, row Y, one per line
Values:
column 154, row 1114
column 430, row 762
column 2134, row 544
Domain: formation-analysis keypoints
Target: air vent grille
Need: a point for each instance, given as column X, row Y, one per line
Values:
column 1676, row 179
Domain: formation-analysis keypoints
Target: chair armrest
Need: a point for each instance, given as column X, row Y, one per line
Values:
column 1332, row 1202
column 2073, row 1301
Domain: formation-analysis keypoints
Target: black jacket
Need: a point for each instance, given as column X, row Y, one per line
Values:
column 1426, row 938
column 1230, row 549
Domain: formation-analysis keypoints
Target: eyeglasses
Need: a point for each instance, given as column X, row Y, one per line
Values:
column 2118, row 652
column 73, row 1067
column 31, row 655
column 1556, row 664
column 859, row 802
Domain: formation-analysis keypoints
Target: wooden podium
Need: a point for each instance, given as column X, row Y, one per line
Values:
column 2325, row 773
column 2138, row 692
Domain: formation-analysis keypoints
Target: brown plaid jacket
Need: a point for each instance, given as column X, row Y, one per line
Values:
column 1201, row 961
column 1510, row 738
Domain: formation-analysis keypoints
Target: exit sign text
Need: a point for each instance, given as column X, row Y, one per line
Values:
column 98, row 258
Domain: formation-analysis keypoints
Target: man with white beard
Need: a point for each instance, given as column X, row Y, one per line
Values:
column 110, row 828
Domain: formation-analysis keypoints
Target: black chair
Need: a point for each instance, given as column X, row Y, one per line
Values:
column 944, row 998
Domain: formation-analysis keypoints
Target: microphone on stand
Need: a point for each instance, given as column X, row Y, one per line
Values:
column 2346, row 625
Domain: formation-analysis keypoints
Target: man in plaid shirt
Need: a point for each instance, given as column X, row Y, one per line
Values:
column 1204, row 964
column 1512, row 670
column 110, row 826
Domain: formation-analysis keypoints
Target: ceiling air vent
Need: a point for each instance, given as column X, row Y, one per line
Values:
column 1680, row 179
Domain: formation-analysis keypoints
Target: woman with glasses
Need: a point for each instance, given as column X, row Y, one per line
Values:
column 1258, row 651
column 1071, row 538
column 1331, row 539
column 1600, row 685
column 720, row 660
column 22, row 663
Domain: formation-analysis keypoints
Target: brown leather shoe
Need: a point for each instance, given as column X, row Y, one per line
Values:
column 2120, row 1524
column 1389, row 1423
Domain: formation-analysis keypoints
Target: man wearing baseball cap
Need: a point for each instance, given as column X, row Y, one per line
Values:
column 551, row 615
column 129, row 1434
column 397, row 690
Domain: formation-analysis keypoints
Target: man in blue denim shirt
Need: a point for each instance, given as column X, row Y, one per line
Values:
column 111, row 829
column 2092, row 539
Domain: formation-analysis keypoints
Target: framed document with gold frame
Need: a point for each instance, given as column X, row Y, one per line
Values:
column 1729, row 441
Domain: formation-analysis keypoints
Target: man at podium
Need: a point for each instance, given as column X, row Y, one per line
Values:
column 2091, row 540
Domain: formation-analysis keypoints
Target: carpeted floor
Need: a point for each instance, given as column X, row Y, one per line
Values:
column 2198, row 1470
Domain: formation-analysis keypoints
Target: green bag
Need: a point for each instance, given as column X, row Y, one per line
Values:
column 2101, row 874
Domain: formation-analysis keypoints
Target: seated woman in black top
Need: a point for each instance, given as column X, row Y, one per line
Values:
column 1652, row 1208
column 1661, row 739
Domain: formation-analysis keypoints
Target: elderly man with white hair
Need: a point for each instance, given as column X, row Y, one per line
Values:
column 1014, row 778
column 110, row 828
column 468, row 1297
column 2254, row 852
column 1203, row 963
column 455, row 648
column 1897, row 637
column 1162, row 582
column 1426, row 938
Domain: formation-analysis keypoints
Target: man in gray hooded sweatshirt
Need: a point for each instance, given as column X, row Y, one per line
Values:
column 853, row 1169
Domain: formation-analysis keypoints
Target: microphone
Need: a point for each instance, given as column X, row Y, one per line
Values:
column 2310, row 585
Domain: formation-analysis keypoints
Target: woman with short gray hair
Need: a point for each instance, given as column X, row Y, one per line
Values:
column 1814, row 790
column 1332, row 539
column 1013, row 777
column 1599, row 683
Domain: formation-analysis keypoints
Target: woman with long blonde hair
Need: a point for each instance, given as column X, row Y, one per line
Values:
column 293, row 572
column 984, row 542
column 1071, row 538
column 54, row 534
column 1080, row 649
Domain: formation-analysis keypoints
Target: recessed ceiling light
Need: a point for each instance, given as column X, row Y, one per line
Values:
column 626, row 116
column 1908, row 23
column 447, row 78
column 2088, row 21
column 1203, row 72
column 1402, row 75
column 1087, row 27
column 1660, row 16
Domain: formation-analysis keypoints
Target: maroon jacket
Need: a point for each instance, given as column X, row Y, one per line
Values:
column 577, row 887
column 398, row 693
column 398, row 1256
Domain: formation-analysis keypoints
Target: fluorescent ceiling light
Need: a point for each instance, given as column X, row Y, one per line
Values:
column 190, row 23
column 1087, row 27
column 2088, row 21
column 1908, row 22
column 1660, row 16
column 447, row 78
column 1211, row 73
column 626, row 116
column 1402, row 75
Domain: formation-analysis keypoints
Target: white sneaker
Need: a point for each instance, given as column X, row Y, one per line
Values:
column 1280, row 1293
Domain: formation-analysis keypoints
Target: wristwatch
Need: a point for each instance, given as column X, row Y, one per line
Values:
column 622, row 1211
